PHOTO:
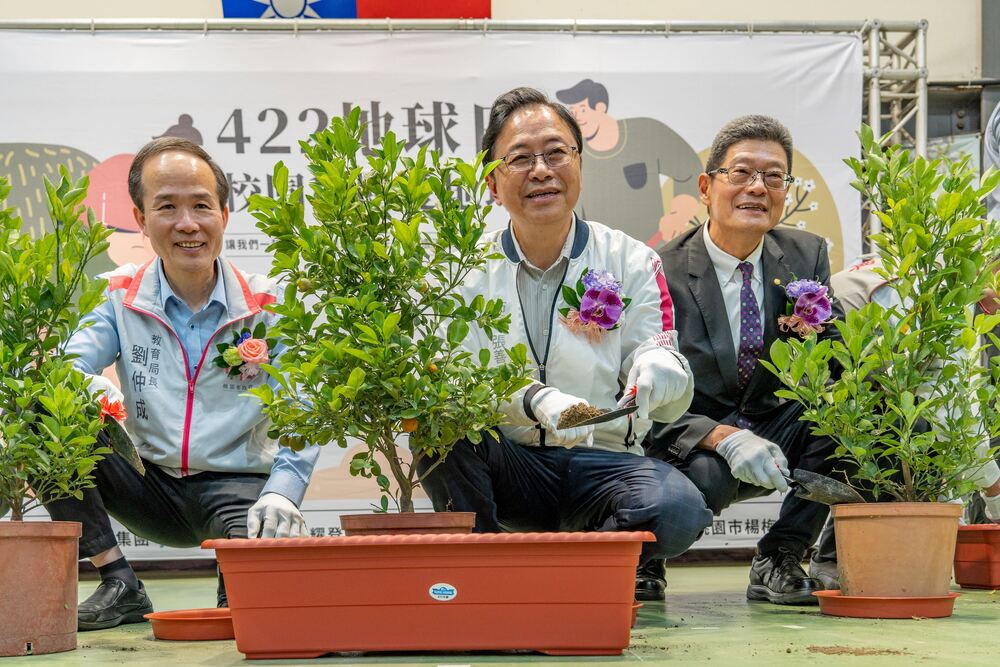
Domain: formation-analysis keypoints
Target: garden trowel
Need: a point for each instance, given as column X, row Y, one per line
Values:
column 113, row 435
column 822, row 489
column 626, row 406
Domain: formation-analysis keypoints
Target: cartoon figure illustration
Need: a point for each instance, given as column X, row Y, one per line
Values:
column 623, row 163
column 184, row 129
column 108, row 197
column 24, row 165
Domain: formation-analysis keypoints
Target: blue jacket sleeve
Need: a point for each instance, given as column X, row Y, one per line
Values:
column 95, row 343
column 292, row 470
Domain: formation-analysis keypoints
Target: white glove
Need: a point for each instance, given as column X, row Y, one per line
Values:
column 548, row 404
column 99, row 382
column 754, row 460
column 992, row 507
column 659, row 379
column 274, row 515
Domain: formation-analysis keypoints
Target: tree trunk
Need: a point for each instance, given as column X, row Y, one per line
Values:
column 388, row 446
column 406, row 498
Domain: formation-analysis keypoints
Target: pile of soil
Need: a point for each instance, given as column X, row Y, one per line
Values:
column 575, row 414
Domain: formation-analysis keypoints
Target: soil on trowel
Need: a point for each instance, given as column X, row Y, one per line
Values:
column 575, row 414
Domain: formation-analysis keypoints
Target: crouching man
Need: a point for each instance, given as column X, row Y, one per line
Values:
column 211, row 470
column 536, row 476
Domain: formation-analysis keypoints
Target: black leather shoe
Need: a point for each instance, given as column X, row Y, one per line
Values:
column 650, row 582
column 825, row 571
column 779, row 578
column 113, row 603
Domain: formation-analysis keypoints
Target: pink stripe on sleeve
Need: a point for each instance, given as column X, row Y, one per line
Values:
column 666, row 303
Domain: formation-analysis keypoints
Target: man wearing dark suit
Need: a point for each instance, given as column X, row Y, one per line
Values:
column 728, row 280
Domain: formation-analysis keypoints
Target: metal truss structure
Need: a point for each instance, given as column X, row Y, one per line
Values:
column 896, row 81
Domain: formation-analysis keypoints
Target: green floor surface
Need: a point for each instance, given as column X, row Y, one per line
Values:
column 705, row 620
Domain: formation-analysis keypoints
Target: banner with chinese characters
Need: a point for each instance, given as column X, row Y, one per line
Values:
column 648, row 105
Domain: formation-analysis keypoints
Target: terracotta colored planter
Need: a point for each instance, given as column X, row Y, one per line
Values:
column 977, row 556
column 896, row 549
column 38, row 572
column 558, row 593
column 408, row 523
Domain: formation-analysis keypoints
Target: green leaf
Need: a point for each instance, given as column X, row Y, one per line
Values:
column 570, row 297
column 457, row 331
column 389, row 325
column 779, row 355
column 356, row 378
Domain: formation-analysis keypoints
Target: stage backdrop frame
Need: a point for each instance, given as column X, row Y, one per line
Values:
column 739, row 526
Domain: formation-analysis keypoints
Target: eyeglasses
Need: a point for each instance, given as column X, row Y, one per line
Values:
column 559, row 156
column 773, row 180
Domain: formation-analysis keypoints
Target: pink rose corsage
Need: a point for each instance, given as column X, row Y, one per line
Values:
column 246, row 353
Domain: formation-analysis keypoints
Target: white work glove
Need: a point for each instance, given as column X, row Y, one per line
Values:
column 992, row 507
column 99, row 382
column 548, row 404
column 274, row 515
column 754, row 460
column 659, row 379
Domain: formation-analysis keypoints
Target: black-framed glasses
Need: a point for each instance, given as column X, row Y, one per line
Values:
column 773, row 179
column 558, row 156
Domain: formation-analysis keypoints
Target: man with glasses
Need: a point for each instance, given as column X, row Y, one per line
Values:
column 728, row 278
column 612, row 339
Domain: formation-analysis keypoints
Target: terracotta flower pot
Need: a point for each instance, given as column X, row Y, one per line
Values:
column 38, row 594
column 896, row 549
column 977, row 556
column 407, row 523
column 558, row 593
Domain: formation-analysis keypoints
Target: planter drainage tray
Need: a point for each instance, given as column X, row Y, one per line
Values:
column 192, row 624
column 832, row 603
column 557, row 593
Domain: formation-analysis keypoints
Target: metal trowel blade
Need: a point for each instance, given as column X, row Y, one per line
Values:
column 823, row 489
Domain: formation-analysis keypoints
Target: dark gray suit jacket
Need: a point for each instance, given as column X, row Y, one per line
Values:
column 706, row 340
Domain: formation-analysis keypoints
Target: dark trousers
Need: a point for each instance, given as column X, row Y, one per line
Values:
column 515, row 488
column 799, row 521
column 176, row 512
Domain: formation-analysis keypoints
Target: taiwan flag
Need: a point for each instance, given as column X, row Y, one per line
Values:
column 289, row 9
column 424, row 9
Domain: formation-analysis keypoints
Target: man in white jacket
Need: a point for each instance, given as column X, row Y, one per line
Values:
column 210, row 468
column 616, row 336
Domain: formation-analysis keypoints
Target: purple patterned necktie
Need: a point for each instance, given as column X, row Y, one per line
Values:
column 751, row 334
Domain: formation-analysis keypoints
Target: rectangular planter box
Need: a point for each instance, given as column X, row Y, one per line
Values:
column 977, row 556
column 557, row 593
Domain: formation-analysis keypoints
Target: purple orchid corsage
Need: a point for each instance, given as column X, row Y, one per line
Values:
column 811, row 309
column 595, row 305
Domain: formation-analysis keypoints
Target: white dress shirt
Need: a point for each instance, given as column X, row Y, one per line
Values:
column 731, row 281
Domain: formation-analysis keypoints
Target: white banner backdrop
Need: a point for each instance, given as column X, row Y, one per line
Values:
column 89, row 101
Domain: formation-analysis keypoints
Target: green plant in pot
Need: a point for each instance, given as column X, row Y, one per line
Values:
column 49, row 417
column 371, row 321
column 912, row 406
